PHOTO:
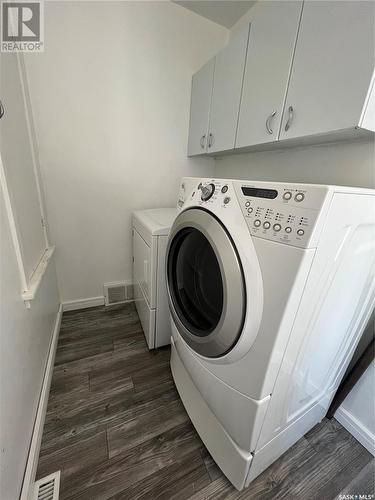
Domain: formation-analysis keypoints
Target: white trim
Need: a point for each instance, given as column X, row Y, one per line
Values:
column 33, row 456
column 12, row 226
column 32, row 139
column 37, row 276
column 366, row 119
column 72, row 305
column 28, row 289
column 356, row 428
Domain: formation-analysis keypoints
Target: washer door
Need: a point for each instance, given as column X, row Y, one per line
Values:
column 206, row 286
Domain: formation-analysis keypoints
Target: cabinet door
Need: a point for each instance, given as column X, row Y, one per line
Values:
column 272, row 39
column 226, row 94
column 332, row 68
column 201, row 90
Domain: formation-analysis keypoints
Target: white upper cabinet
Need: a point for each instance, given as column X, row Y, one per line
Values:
column 201, row 91
column 226, row 95
column 332, row 68
column 304, row 71
column 272, row 39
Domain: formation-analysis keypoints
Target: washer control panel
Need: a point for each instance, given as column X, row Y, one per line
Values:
column 281, row 212
column 285, row 213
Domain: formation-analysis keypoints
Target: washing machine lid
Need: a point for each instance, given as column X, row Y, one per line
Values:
column 206, row 286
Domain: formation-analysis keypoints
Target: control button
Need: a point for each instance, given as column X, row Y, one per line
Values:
column 257, row 223
column 300, row 232
column 266, row 225
column 287, row 195
column 247, row 204
column 276, row 227
column 299, row 197
column 249, row 210
column 288, row 229
column 224, row 189
column 226, row 200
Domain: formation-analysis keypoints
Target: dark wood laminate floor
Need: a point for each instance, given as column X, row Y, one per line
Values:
column 116, row 428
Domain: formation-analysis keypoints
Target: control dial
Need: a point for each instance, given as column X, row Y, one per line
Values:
column 299, row 197
column 207, row 191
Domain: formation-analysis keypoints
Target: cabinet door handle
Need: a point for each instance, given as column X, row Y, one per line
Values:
column 290, row 118
column 203, row 141
column 268, row 122
column 2, row 111
column 210, row 140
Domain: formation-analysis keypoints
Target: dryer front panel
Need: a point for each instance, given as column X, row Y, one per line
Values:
column 206, row 285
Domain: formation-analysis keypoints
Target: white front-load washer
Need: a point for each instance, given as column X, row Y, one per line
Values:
column 270, row 286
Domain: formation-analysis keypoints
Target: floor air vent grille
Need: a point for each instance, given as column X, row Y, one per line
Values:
column 118, row 292
column 47, row 488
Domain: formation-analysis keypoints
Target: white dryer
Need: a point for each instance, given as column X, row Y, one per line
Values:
column 150, row 229
column 270, row 286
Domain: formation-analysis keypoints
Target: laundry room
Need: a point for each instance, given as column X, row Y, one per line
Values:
column 187, row 249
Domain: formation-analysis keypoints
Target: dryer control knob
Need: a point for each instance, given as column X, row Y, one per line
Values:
column 207, row 191
column 299, row 197
column 276, row 227
column 257, row 223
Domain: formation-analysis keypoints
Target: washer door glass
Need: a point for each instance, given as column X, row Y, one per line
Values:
column 206, row 287
column 196, row 282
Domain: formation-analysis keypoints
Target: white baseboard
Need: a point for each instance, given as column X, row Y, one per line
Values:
column 72, row 305
column 33, row 456
column 356, row 429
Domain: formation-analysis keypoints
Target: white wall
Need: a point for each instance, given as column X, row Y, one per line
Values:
column 341, row 163
column 111, row 98
column 360, row 399
column 357, row 412
column 25, row 336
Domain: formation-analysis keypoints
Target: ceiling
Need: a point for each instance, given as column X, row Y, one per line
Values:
column 223, row 12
